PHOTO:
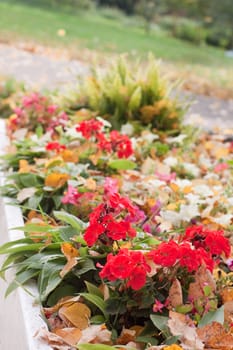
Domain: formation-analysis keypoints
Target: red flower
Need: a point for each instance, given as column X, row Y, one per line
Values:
column 90, row 128
column 127, row 265
column 121, row 144
column 117, row 202
column 217, row 243
column 118, row 230
column 189, row 257
column 137, row 279
column 166, row 254
column 212, row 241
column 92, row 233
column 206, row 258
column 55, row 146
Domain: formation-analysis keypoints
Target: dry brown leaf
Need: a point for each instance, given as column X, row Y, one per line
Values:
column 56, row 179
column 26, row 193
column 175, row 188
column 148, row 166
column 227, row 294
column 179, row 326
column 90, row 184
column 95, row 157
column 69, row 156
column 175, row 294
column 55, row 341
column 71, row 254
column 126, row 336
column 63, row 301
column 24, row 166
column 75, row 315
column 228, row 312
column 103, row 336
column 203, row 277
column 214, row 336
column 70, row 335
column 90, row 333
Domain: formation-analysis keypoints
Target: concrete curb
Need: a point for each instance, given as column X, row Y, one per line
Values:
column 20, row 318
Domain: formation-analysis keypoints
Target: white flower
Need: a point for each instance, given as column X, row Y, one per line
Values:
column 192, row 169
column 149, row 137
column 127, row 129
column 178, row 139
column 188, row 212
column 194, row 198
column 171, row 216
column 182, row 183
column 104, row 122
column 71, row 132
column 170, row 161
column 224, row 220
column 211, row 176
column 203, row 190
column 204, row 161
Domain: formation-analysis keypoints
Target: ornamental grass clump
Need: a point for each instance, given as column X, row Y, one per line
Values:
column 125, row 93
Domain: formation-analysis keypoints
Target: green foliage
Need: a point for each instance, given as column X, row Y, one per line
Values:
column 184, row 28
column 125, row 93
column 218, row 35
column 212, row 316
column 7, row 90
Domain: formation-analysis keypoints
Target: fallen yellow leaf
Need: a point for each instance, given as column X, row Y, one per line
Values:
column 75, row 315
column 56, row 179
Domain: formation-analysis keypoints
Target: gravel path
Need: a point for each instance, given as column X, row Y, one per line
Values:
column 45, row 72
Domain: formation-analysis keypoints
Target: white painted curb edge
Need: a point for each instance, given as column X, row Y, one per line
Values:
column 20, row 318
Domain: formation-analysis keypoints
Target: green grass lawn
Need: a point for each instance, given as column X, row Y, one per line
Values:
column 94, row 31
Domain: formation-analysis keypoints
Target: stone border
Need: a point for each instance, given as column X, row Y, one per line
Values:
column 20, row 318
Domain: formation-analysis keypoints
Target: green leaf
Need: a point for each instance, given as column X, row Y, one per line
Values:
column 60, row 292
column 212, row 316
column 71, row 220
column 147, row 340
column 184, row 309
column 92, row 289
column 83, row 267
column 97, row 301
column 160, row 322
column 29, row 180
column 97, row 319
column 95, row 347
column 122, row 164
column 4, row 248
column 20, row 279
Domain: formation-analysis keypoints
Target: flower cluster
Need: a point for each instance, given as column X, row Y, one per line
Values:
column 105, row 223
column 55, row 146
column 72, row 196
column 114, row 143
column 213, row 242
column 127, row 265
column 198, row 246
column 169, row 254
column 37, row 109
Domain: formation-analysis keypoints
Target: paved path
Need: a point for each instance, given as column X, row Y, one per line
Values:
column 43, row 71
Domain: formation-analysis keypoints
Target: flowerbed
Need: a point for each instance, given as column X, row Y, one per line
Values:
column 127, row 232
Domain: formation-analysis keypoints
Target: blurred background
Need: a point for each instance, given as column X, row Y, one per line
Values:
column 193, row 38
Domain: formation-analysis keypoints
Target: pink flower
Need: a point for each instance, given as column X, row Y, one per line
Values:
column 158, row 306
column 71, row 196
column 110, row 186
column 166, row 177
column 51, row 109
column 221, row 167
